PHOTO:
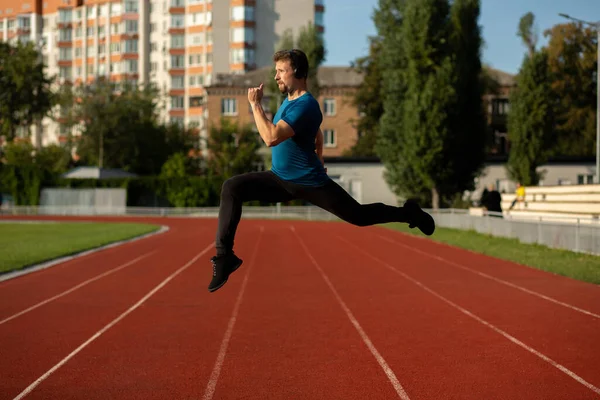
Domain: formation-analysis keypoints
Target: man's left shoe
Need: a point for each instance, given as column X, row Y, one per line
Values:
column 223, row 266
column 419, row 218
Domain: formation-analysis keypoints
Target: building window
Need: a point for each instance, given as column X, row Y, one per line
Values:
column 64, row 15
column 130, row 66
column 238, row 56
column 195, row 59
column 177, row 82
column 177, row 41
column 131, row 6
column 177, row 62
column 229, row 106
column 197, row 40
column 329, row 138
column 115, row 8
column 329, row 106
column 587, row 179
column 131, row 46
column 242, row 35
column 65, row 35
column 319, row 20
column 241, row 13
column 177, row 101
column 196, row 101
column 177, row 21
column 500, row 107
column 179, row 121
column 196, row 80
column 131, row 26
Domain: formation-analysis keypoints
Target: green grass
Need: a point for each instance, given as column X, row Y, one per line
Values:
column 583, row 267
column 25, row 244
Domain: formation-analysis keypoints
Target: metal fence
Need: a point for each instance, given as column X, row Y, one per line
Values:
column 575, row 234
column 561, row 232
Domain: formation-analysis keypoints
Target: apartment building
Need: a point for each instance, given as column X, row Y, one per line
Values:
column 179, row 45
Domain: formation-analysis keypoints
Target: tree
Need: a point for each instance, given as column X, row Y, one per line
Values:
column 25, row 89
column 368, row 100
column 527, row 32
column 530, row 121
column 398, row 173
column 572, row 60
column 466, row 150
column 122, row 129
column 431, row 136
column 19, row 154
column 311, row 43
column 53, row 158
column 232, row 150
column 419, row 93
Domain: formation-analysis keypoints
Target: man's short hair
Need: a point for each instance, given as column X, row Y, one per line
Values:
column 297, row 59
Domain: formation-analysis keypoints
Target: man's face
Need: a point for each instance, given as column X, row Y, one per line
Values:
column 284, row 76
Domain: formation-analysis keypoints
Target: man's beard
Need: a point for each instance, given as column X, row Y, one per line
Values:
column 283, row 88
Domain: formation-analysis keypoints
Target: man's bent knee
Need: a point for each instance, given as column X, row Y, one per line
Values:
column 229, row 186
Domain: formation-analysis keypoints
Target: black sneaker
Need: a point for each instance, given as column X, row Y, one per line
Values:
column 419, row 218
column 223, row 266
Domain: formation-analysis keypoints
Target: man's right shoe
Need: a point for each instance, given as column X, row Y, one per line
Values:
column 419, row 218
column 223, row 266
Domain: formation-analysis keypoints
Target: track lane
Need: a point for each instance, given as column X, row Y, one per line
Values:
column 36, row 341
column 166, row 348
column 435, row 350
column 292, row 340
column 573, row 292
column 566, row 336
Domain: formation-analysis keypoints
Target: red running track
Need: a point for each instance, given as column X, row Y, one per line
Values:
column 317, row 311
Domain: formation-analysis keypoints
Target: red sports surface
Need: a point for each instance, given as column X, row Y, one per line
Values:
column 317, row 311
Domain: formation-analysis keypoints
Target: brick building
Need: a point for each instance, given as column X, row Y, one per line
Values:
column 497, row 107
column 227, row 97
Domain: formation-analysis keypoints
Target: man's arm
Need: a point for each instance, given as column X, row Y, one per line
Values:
column 271, row 134
column 319, row 147
column 319, row 144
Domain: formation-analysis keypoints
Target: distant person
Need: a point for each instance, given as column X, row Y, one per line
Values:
column 492, row 201
column 519, row 195
column 297, row 170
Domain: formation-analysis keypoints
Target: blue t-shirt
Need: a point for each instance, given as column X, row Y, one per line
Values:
column 295, row 159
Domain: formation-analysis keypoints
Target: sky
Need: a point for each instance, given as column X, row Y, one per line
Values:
column 348, row 24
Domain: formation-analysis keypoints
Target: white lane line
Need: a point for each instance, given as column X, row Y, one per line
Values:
column 110, row 325
column 214, row 376
column 74, row 288
column 481, row 320
column 386, row 368
column 512, row 285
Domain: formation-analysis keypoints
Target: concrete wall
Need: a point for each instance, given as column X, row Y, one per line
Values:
column 366, row 183
column 363, row 181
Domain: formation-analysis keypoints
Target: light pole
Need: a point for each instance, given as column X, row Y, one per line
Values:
column 595, row 25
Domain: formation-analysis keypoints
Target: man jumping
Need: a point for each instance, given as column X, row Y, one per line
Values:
column 297, row 169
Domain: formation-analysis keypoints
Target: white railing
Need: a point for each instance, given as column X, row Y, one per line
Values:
column 580, row 235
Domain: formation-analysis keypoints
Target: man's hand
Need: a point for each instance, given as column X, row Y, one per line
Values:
column 255, row 94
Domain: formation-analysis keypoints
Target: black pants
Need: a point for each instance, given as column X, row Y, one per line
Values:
column 266, row 186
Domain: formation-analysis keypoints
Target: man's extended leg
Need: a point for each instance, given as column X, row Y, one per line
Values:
column 261, row 186
column 333, row 198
